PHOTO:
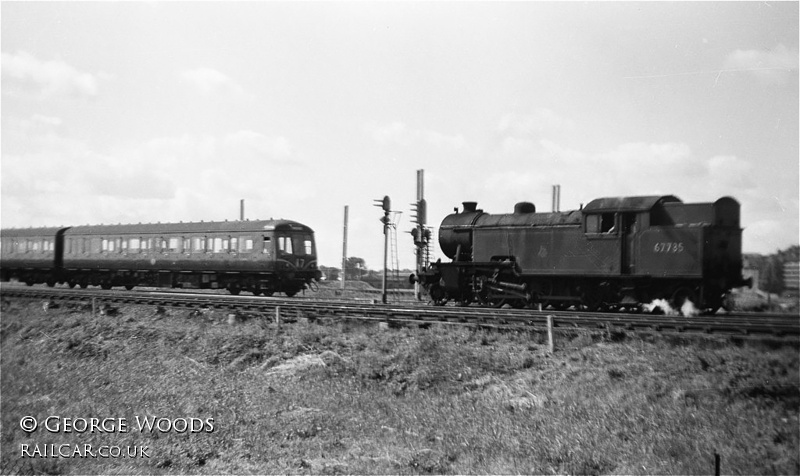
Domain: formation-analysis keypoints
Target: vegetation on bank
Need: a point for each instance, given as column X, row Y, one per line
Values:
column 343, row 397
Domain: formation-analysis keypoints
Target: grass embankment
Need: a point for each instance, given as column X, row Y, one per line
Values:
column 351, row 398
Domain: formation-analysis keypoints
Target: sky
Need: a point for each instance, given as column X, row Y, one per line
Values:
column 128, row 112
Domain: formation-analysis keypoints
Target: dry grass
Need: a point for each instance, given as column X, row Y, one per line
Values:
column 341, row 397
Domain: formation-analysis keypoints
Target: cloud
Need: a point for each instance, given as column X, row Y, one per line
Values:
column 47, row 121
column 209, row 81
column 58, row 180
column 399, row 133
column 536, row 123
column 250, row 145
column 53, row 78
column 770, row 67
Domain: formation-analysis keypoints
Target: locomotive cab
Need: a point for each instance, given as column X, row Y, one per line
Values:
column 295, row 256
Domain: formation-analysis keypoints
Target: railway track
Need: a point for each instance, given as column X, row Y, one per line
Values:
column 737, row 324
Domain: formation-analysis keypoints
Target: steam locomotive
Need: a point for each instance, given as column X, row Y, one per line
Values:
column 259, row 256
column 614, row 253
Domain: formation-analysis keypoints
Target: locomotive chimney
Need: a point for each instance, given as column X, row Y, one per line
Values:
column 470, row 207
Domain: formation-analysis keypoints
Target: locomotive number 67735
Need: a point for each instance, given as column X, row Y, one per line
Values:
column 618, row 252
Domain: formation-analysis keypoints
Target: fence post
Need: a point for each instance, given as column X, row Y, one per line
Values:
column 278, row 316
column 716, row 463
column 550, row 345
column 94, row 307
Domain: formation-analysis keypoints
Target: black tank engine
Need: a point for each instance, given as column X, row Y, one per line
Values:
column 613, row 253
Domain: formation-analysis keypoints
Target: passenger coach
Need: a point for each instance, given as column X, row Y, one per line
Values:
column 260, row 256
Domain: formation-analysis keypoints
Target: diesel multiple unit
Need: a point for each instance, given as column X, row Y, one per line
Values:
column 613, row 253
column 259, row 256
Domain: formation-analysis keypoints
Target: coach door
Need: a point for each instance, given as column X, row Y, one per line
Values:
column 628, row 242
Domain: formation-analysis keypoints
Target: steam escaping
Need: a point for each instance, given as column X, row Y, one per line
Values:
column 689, row 309
column 662, row 306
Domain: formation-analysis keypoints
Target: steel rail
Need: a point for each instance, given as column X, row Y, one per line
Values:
column 734, row 324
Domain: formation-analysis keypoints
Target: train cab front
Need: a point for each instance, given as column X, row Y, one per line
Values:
column 296, row 259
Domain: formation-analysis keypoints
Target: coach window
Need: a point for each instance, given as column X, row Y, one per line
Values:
column 247, row 245
column 199, row 244
column 134, row 244
column 218, row 245
column 266, row 248
column 234, row 244
column 187, row 245
column 173, row 243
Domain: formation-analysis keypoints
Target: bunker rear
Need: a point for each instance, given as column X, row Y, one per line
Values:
column 342, row 397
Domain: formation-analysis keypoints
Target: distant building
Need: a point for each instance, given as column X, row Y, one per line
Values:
column 791, row 277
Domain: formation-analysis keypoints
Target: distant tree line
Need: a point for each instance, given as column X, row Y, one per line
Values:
column 356, row 270
column 770, row 268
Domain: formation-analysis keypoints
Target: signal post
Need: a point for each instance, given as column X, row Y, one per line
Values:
column 386, row 205
column 420, row 234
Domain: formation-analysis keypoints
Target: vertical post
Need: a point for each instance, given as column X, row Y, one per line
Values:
column 385, row 257
column 278, row 316
column 344, row 248
column 241, row 210
column 556, row 198
column 716, row 463
column 94, row 307
column 550, row 345
column 420, row 232
column 386, row 205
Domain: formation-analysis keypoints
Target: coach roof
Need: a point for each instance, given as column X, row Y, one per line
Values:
column 190, row 227
column 48, row 232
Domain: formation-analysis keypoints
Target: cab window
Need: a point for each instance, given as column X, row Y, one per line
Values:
column 285, row 244
column 600, row 223
column 304, row 245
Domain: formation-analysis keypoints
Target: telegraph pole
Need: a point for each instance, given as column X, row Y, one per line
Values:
column 344, row 249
